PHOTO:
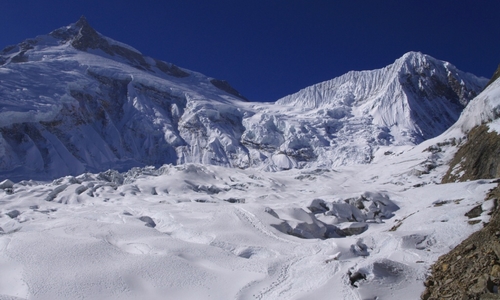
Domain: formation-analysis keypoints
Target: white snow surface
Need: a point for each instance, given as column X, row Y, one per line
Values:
column 485, row 109
column 65, row 111
column 208, row 232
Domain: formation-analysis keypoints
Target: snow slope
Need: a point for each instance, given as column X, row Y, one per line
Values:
column 485, row 109
column 75, row 101
column 203, row 232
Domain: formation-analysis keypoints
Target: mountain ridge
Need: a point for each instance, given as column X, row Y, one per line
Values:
column 75, row 85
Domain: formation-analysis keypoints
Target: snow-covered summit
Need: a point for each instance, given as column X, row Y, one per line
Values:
column 417, row 96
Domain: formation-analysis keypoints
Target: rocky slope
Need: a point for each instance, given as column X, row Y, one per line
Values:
column 477, row 158
column 472, row 269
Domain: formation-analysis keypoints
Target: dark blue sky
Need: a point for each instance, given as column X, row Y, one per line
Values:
column 268, row 49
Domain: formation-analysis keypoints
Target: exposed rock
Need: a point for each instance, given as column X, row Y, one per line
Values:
column 354, row 277
column 489, row 296
column 495, row 271
column 84, row 37
column 149, row 222
column 226, row 87
column 13, row 213
column 355, row 228
column 495, row 76
column 235, row 200
column 171, row 69
column 478, row 158
column 475, row 212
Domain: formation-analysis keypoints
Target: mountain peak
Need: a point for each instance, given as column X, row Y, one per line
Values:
column 413, row 54
column 87, row 37
column 75, row 32
column 82, row 37
column 414, row 58
column 415, row 98
column 82, row 22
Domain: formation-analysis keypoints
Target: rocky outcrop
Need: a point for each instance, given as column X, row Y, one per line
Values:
column 472, row 269
column 477, row 158
column 83, row 37
column 226, row 87
column 495, row 76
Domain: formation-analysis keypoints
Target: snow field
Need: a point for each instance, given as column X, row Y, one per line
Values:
column 207, row 232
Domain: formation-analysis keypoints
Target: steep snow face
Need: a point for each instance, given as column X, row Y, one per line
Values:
column 75, row 101
column 344, row 120
column 417, row 96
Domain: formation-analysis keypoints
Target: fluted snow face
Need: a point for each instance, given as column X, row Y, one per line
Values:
column 76, row 101
column 417, row 96
column 344, row 120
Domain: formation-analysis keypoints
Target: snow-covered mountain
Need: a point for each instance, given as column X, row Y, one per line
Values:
column 346, row 119
column 75, row 101
column 416, row 97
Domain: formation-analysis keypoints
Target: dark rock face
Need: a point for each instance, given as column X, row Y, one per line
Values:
column 87, row 38
column 13, row 214
column 18, row 52
column 495, row 76
column 478, row 158
column 170, row 69
column 149, row 222
column 226, row 87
